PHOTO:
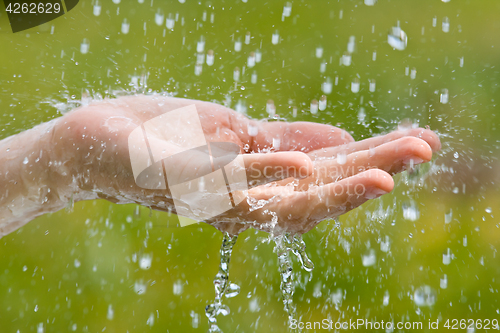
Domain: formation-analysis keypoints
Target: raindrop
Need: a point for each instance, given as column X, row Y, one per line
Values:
column 314, row 106
column 116, row 1
column 236, row 74
column 374, row 55
column 443, row 98
column 210, row 58
column 327, row 86
column 198, row 68
column 351, row 45
column 241, row 107
column 248, row 36
column 253, row 79
column 413, row 73
column 397, row 38
column 170, row 22
column 355, row 85
column 84, row 47
column 461, row 61
column 125, row 27
column 434, row 21
column 251, row 60
column 270, row 108
column 275, row 38
column 322, row 67
column 447, row 257
column 151, row 320
column 448, row 216
column 372, row 85
column 111, row 313
column 446, row 24
column 252, row 130
column 177, row 287
column 146, row 259
column 361, row 114
column 341, row 158
column 200, row 45
column 385, row 246
column 385, row 301
column 346, row 59
column 322, row 103
column 369, row 259
column 424, row 296
column 258, row 56
column 237, row 45
column 443, row 282
column 410, row 211
column 287, row 9
column 97, row 8
column 319, row 52
column 370, row 2
column 159, row 17
column 77, row 263
column 25, row 161
column 139, row 287
column 200, row 58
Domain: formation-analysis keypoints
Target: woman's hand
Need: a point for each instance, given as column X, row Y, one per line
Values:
column 298, row 173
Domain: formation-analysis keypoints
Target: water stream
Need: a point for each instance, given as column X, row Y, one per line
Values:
column 221, row 284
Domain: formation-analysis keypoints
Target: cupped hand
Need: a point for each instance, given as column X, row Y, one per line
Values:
column 298, row 173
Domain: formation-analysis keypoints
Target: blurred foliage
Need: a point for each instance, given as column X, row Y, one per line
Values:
column 77, row 270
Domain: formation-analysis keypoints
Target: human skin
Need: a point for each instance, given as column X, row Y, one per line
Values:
column 84, row 155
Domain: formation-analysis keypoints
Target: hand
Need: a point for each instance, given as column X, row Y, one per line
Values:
column 87, row 157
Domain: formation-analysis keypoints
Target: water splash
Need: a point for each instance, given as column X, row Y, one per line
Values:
column 221, row 284
column 283, row 245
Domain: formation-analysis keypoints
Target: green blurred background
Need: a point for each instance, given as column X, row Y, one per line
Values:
column 79, row 270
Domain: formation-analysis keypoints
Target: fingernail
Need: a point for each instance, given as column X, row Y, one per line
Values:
column 413, row 161
column 374, row 192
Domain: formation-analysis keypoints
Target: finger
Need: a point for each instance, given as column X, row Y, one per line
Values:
column 392, row 157
column 263, row 168
column 284, row 136
column 427, row 135
column 334, row 199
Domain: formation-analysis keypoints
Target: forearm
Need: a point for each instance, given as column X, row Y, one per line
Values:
column 28, row 185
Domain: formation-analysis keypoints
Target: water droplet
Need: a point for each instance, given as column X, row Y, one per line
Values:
column 210, row 58
column 84, row 46
column 314, row 106
column 372, row 85
column 270, row 108
column 443, row 282
column 159, row 17
column 351, row 45
column 111, row 313
column 248, row 37
column 275, row 38
column 327, row 86
column 200, row 45
column 341, row 158
column 237, row 45
column 322, row 103
column 25, row 161
column 319, row 52
column 443, row 98
column 346, row 59
column 77, row 263
column 170, row 22
column 447, row 257
column 446, row 24
column 251, row 60
column 413, row 73
column 140, row 287
column 178, row 287
column 355, row 85
column 125, row 27
column 97, row 8
column 369, row 259
column 424, row 296
column 236, row 74
column 385, row 301
column 322, row 67
column 410, row 211
column 397, row 38
column 258, row 56
column 253, row 79
column 287, row 9
column 146, row 259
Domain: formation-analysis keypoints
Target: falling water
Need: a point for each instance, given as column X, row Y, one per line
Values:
column 221, row 284
column 284, row 244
